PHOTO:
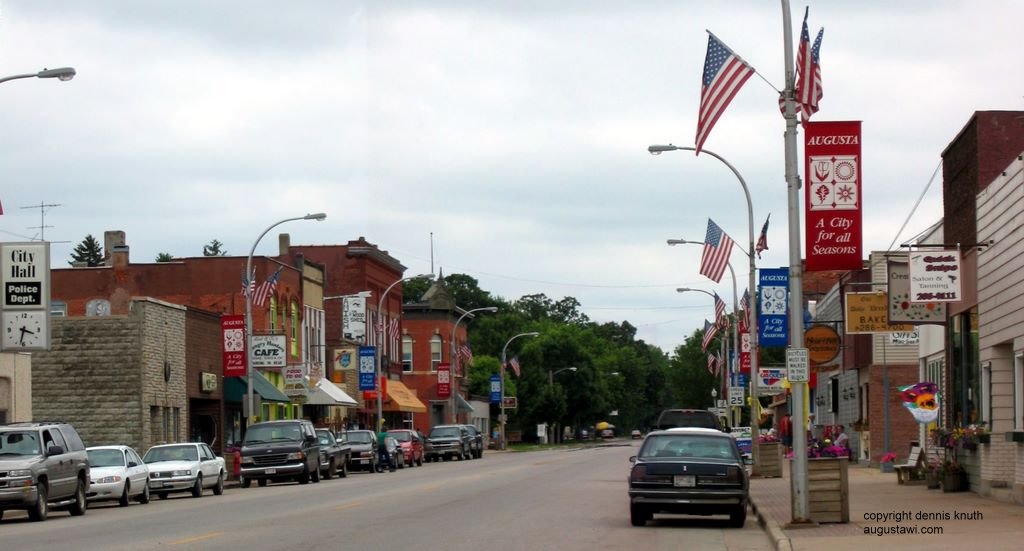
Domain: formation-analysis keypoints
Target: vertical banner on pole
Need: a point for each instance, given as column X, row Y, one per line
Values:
column 233, row 345
column 773, row 307
column 832, row 195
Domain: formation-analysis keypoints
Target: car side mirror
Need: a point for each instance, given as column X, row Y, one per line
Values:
column 632, row 459
column 54, row 450
column 132, row 464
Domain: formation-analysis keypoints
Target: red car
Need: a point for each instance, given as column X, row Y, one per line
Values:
column 412, row 446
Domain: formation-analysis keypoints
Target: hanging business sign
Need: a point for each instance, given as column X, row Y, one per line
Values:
column 832, row 164
column 233, row 345
column 773, row 300
column 353, row 318
column 268, row 351
column 444, row 380
column 935, row 276
column 822, row 342
column 869, row 313
column 901, row 308
column 25, row 311
column 367, row 356
column 770, row 380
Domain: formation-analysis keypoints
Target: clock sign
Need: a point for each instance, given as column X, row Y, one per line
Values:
column 25, row 307
column 25, row 330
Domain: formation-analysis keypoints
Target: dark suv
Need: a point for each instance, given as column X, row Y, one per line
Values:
column 688, row 418
column 476, row 441
column 42, row 465
column 447, row 441
column 280, row 450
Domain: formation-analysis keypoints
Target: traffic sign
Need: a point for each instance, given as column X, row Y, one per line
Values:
column 510, row 402
column 797, row 365
column 736, row 396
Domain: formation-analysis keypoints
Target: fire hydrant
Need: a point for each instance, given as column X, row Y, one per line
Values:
column 237, row 467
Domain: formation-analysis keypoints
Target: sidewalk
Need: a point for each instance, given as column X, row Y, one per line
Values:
column 988, row 523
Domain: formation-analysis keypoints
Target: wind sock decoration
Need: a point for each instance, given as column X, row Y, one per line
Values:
column 922, row 399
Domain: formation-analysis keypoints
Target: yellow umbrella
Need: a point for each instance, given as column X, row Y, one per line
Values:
column 602, row 425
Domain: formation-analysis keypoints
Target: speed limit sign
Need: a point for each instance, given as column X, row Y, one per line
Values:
column 736, row 396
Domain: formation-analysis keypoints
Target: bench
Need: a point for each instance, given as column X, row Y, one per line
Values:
column 910, row 470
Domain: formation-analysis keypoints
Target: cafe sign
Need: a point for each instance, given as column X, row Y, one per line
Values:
column 268, row 351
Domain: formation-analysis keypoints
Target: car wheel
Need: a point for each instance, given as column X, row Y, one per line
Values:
column 123, row 501
column 161, row 495
column 332, row 470
column 144, row 496
column 246, row 482
column 41, row 509
column 218, row 489
column 738, row 518
column 420, row 462
column 304, row 477
column 638, row 515
column 262, row 483
column 316, row 475
column 343, row 473
column 197, row 488
column 77, row 508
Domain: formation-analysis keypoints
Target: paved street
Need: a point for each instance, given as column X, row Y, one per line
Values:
column 537, row 500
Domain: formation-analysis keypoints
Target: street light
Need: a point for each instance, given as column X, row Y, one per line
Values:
column 452, row 357
column 551, row 383
column 504, row 349
column 714, row 398
column 249, row 278
column 754, row 422
column 62, row 74
column 380, row 343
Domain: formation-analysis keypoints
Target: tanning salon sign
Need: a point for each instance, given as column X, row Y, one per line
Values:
column 935, row 276
column 833, row 195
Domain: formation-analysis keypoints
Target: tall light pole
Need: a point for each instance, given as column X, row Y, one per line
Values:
column 63, row 74
column 504, row 349
column 551, row 383
column 735, row 309
column 380, row 344
column 249, row 279
column 453, row 357
column 752, row 322
column 722, row 380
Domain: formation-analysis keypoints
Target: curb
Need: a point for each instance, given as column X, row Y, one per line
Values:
column 779, row 539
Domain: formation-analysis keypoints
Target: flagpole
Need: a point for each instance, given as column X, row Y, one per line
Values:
column 798, row 494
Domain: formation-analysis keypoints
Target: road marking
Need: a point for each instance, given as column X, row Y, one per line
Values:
column 352, row 505
column 185, row 541
column 429, row 487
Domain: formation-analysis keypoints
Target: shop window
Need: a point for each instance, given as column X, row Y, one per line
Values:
column 435, row 351
column 295, row 329
column 406, row 354
column 273, row 313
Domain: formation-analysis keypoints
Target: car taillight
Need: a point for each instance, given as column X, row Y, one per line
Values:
column 733, row 475
column 639, row 473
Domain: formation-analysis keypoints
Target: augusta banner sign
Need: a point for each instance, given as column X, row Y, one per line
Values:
column 833, row 195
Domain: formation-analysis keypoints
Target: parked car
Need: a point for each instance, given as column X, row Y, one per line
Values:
column 607, row 434
column 672, row 418
column 636, row 434
column 447, row 441
column 692, row 471
column 362, row 449
column 412, row 446
column 280, row 450
column 185, row 467
column 117, row 472
column 42, row 466
column 476, row 441
column 333, row 455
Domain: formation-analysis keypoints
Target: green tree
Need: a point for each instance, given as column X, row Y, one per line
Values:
column 215, row 248
column 413, row 290
column 164, row 257
column 88, row 251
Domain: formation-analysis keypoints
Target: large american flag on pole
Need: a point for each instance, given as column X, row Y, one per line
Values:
column 710, row 329
column 762, row 241
column 807, row 90
column 724, row 75
column 717, row 248
column 266, row 288
column 514, row 364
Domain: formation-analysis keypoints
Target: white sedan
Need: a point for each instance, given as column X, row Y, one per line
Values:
column 117, row 472
column 182, row 467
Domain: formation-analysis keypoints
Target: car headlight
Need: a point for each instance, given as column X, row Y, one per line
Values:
column 108, row 480
column 18, row 473
column 22, row 483
column 246, row 460
column 297, row 455
column 186, row 472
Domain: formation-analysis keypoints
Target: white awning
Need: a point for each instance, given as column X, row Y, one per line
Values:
column 327, row 393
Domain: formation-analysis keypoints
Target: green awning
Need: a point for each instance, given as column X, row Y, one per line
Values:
column 462, row 405
column 237, row 388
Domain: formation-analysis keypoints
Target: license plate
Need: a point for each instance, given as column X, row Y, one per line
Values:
column 271, row 471
column 158, row 484
column 361, row 460
column 684, row 481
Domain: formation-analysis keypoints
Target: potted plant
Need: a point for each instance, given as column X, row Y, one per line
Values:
column 887, row 459
column 932, row 476
column 953, row 475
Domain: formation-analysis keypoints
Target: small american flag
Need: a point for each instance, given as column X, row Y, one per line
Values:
column 466, row 353
column 711, row 364
column 808, row 72
column 724, row 75
column 514, row 364
column 710, row 330
column 720, row 317
column 745, row 306
column 267, row 288
column 393, row 327
column 762, row 240
column 717, row 248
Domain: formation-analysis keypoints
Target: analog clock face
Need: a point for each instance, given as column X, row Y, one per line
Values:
column 24, row 329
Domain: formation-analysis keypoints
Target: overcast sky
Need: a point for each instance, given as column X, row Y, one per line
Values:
column 516, row 132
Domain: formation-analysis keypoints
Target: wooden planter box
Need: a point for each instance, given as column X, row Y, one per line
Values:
column 828, row 490
column 770, row 459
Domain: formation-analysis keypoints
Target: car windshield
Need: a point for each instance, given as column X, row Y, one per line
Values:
column 697, row 419
column 401, row 436
column 270, row 433
column 19, row 443
column 359, row 437
column 171, row 453
column 445, row 432
column 324, row 437
column 688, row 446
column 106, row 458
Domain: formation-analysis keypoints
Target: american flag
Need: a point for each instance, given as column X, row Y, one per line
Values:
column 710, row 330
column 720, row 317
column 724, row 75
column 711, row 364
column 266, row 288
column 762, row 241
column 719, row 365
column 717, row 248
column 393, row 327
column 514, row 364
column 466, row 353
column 808, row 73
column 745, row 306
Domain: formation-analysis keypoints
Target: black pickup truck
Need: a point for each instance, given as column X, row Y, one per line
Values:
column 280, row 450
column 333, row 455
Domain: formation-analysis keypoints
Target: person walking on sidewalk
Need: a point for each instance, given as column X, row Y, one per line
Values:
column 383, row 456
column 786, row 431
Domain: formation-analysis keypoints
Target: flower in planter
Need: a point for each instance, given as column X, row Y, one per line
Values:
column 951, row 467
column 889, row 457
